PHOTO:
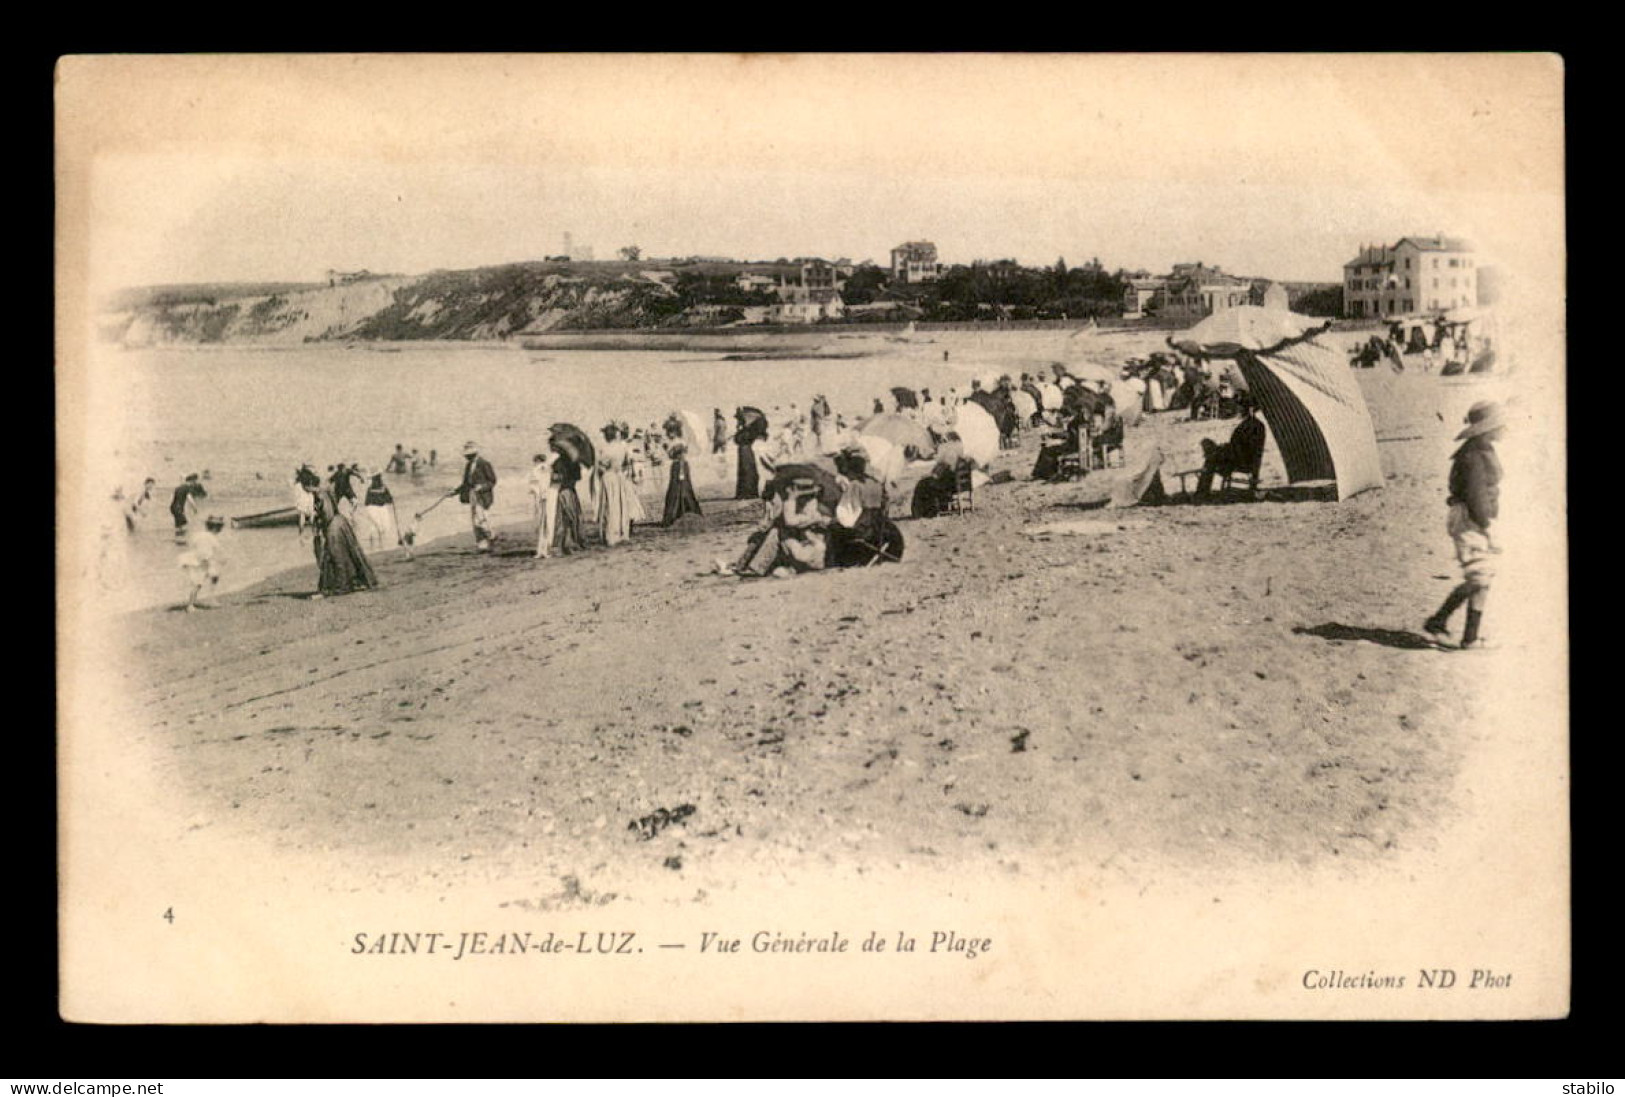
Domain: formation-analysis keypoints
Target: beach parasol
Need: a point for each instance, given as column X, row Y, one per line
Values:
column 905, row 398
column 978, row 432
column 985, row 400
column 691, row 429
column 753, row 421
column 887, row 462
column 829, row 488
column 1245, row 327
column 900, row 431
column 1126, row 399
column 1026, row 406
column 573, row 441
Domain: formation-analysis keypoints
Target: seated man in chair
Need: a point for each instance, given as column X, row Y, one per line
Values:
column 1241, row 455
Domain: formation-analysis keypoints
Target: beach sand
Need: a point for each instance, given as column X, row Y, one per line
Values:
column 1209, row 687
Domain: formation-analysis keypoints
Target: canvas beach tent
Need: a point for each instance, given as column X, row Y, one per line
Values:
column 1303, row 387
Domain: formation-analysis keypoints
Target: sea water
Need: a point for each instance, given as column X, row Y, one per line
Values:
column 245, row 417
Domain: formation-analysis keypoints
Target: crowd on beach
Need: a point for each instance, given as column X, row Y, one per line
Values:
column 825, row 481
column 1440, row 344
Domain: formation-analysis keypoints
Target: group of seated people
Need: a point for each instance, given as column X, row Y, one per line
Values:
column 1091, row 427
column 810, row 524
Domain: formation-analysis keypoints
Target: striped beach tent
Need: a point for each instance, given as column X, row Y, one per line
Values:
column 1304, row 388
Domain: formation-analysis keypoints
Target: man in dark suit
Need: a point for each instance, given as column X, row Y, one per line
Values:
column 1242, row 454
column 478, row 491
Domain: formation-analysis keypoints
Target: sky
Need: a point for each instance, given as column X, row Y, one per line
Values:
column 248, row 168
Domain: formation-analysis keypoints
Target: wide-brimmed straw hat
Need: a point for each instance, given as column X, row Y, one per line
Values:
column 470, row 447
column 1482, row 417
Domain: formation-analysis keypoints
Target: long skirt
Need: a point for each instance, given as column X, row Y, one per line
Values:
column 544, row 505
column 761, row 552
column 618, row 507
column 933, row 494
column 748, row 486
column 680, row 497
column 875, row 540
column 567, row 519
column 382, row 519
column 342, row 566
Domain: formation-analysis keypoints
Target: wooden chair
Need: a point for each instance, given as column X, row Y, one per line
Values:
column 1101, row 457
column 1074, row 466
column 1250, row 473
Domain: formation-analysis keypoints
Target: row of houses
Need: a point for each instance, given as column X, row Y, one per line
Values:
column 811, row 295
column 1194, row 290
column 1417, row 274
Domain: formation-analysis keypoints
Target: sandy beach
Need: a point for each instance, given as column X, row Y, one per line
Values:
column 1042, row 685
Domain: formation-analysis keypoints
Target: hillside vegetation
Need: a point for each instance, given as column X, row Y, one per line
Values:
column 496, row 303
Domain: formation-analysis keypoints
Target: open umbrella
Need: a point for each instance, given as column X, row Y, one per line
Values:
column 1123, row 396
column 1026, row 406
column 689, row 427
column 574, row 441
column 753, row 421
column 977, row 432
column 1247, row 327
column 886, row 461
column 905, row 398
column 900, row 431
column 829, row 488
column 984, row 399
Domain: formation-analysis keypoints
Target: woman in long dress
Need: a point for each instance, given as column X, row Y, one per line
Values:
column 385, row 527
column 567, row 510
column 749, row 484
column 680, row 496
column 543, row 501
column 616, row 501
column 341, row 565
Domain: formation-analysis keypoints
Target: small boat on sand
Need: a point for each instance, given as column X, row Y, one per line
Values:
column 282, row 516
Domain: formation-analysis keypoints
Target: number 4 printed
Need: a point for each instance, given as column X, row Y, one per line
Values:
column 169, row 915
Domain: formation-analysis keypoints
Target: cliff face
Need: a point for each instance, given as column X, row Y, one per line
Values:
column 490, row 303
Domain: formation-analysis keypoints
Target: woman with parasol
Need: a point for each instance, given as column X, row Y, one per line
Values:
column 752, row 429
column 573, row 451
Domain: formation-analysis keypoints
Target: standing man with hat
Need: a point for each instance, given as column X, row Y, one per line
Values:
column 478, row 491
column 1475, row 477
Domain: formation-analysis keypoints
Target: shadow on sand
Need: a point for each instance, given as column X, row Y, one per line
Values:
column 1390, row 638
column 1290, row 493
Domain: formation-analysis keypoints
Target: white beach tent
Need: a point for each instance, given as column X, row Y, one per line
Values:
column 1304, row 388
column 978, row 433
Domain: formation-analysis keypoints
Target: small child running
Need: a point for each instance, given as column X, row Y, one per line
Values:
column 201, row 562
